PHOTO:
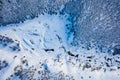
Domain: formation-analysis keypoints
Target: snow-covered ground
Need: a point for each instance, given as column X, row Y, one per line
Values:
column 40, row 49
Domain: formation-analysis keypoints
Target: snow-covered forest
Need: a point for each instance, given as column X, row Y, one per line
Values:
column 59, row 39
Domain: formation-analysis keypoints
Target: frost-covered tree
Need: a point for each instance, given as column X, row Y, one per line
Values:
column 97, row 21
column 18, row 10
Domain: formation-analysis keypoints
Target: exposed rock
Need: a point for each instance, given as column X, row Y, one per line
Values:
column 116, row 50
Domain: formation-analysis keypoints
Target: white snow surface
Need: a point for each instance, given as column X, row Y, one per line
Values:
column 49, row 32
